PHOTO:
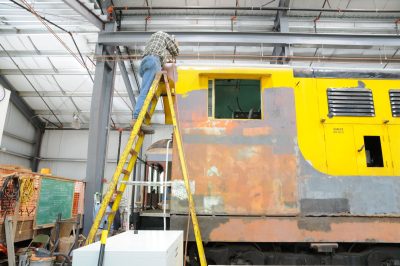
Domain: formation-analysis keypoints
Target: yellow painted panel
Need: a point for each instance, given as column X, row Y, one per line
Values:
column 310, row 131
column 196, row 78
column 312, row 108
column 372, row 130
column 394, row 139
column 380, row 91
column 340, row 149
column 312, row 112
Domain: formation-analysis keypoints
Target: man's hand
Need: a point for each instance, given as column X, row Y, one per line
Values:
column 171, row 60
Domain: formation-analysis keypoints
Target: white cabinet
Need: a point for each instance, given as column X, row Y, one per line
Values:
column 150, row 248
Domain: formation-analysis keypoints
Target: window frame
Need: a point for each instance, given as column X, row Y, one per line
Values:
column 213, row 78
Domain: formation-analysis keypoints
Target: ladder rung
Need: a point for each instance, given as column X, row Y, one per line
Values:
column 148, row 116
column 118, row 192
column 154, row 100
column 165, row 94
column 133, row 152
column 125, row 172
column 156, row 97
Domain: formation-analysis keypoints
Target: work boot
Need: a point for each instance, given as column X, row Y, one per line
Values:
column 146, row 129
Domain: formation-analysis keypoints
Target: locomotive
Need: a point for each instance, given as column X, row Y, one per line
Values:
column 290, row 166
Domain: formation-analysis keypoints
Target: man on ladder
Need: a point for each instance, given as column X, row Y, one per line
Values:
column 154, row 84
column 154, row 58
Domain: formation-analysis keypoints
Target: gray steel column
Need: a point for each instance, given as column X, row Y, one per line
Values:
column 36, row 149
column 100, row 114
column 127, row 82
column 281, row 25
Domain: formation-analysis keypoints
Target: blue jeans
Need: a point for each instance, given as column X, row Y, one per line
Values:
column 148, row 69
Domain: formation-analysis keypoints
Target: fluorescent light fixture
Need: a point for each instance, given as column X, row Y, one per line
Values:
column 76, row 122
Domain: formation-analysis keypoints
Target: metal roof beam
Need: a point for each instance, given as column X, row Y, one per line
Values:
column 127, row 38
column 85, row 12
column 58, row 94
column 41, row 53
column 261, row 8
column 28, row 32
column 49, row 71
column 71, row 112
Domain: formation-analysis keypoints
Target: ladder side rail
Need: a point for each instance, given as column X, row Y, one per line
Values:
column 123, row 159
column 196, row 228
column 122, row 186
column 149, row 105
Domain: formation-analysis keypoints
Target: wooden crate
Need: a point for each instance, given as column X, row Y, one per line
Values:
column 27, row 204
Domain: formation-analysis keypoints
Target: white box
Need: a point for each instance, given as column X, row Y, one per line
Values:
column 149, row 248
column 4, row 99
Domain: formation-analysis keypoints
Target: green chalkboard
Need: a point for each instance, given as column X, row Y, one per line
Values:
column 56, row 196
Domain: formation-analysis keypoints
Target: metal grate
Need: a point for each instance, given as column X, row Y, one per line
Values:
column 395, row 102
column 350, row 102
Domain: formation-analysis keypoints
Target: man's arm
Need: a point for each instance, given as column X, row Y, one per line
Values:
column 172, row 46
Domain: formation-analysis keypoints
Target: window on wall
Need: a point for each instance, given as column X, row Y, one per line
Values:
column 373, row 151
column 234, row 98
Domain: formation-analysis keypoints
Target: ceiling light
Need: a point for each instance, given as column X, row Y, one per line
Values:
column 76, row 122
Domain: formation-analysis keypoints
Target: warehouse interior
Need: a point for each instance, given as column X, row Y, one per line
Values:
column 70, row 77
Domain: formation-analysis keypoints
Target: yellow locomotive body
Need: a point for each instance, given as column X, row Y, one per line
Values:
column 288, row 155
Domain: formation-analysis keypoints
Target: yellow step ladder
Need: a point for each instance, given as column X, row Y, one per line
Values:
column 159, row 87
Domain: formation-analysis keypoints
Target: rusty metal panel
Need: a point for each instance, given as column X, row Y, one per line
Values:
column 294, row 229
column 252, row 176
column 366, row 195
column 239, row 167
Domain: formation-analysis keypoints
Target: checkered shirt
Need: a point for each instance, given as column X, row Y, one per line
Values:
column 159, row 43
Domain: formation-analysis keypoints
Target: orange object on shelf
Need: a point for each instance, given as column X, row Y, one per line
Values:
column 45, row 171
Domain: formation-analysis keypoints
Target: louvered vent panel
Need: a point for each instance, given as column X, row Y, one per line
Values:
column 350, row 102
column 395, row 102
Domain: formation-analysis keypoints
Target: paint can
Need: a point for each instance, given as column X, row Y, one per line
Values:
column 41, row 261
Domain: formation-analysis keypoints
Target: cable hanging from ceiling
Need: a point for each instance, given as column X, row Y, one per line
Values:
column 44, row 21
column 29, row 81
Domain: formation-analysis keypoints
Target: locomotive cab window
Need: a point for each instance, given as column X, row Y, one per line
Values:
column 373, row 151
column 234, row 99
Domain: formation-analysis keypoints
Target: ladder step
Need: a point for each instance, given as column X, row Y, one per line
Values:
column 156, row 97
column 118, row 192
column 165, row 95
column 125, row 172
column 133, row 152
column 148, row 116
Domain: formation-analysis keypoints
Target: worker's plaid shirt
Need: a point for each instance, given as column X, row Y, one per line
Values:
column 159, row 43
